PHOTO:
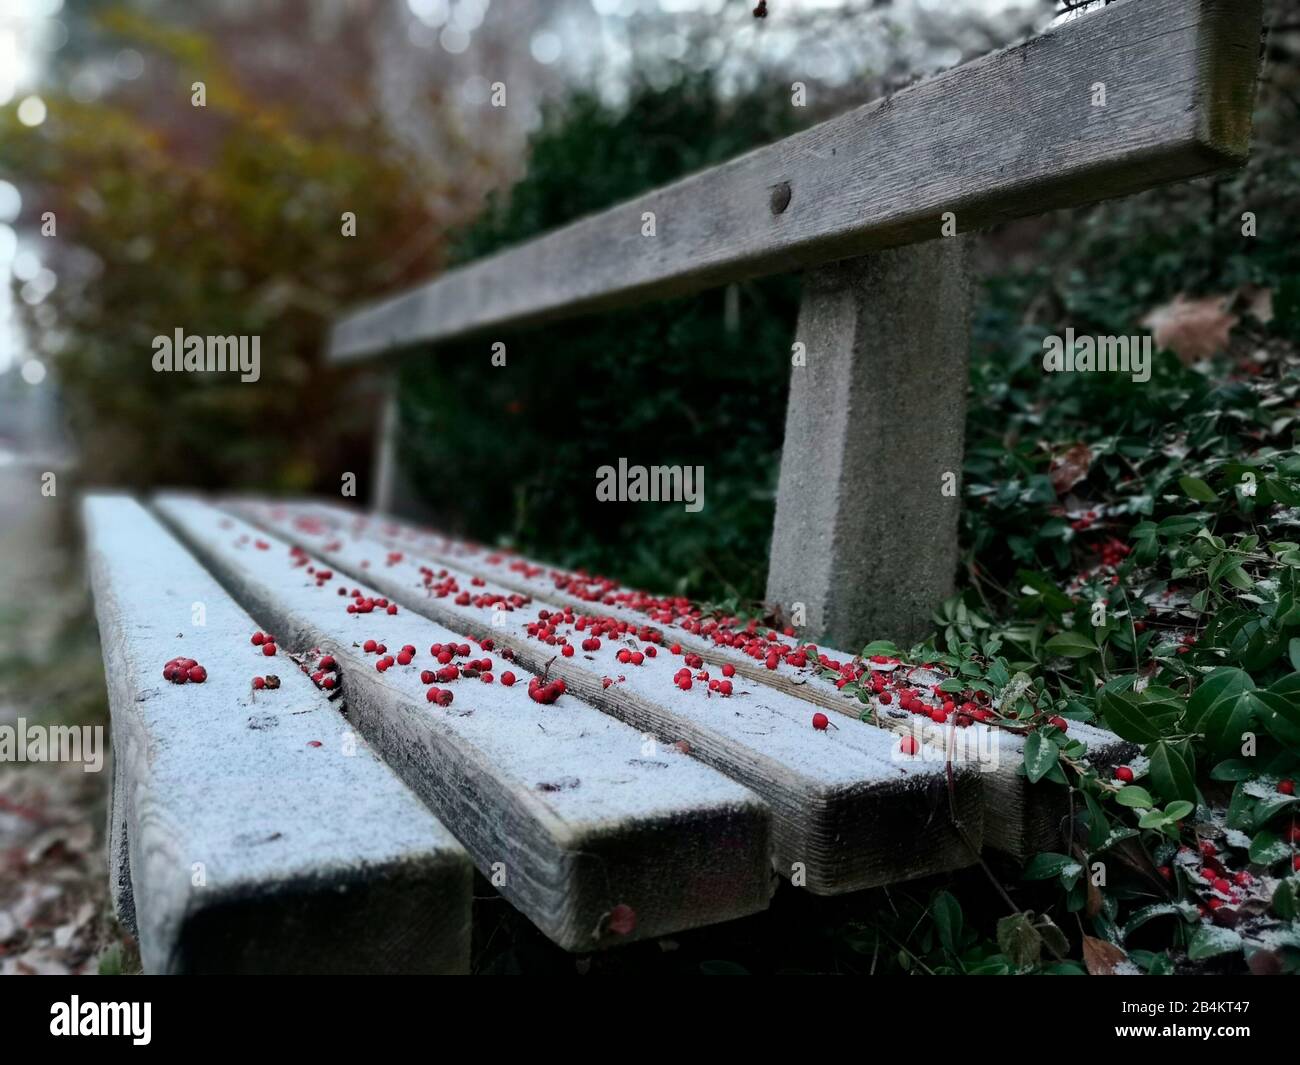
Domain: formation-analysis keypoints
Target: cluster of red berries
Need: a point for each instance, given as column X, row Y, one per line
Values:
column 265, row 641
column 184, row 671
column 940, row 711
column 685, row 679
column 1112, row 551
column 324, row 674
column 1085, row 522
column 540, row 691
column 322, row 576
column 442, row 584
column 362, row 604
column 1228, row 887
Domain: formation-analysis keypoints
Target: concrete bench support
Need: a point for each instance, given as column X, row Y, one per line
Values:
column 866, row 538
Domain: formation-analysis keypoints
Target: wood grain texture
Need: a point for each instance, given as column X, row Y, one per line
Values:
column 1011, row 134
column 246, row 849
column 1020, row 818
column 561, row 801
column 849, row 810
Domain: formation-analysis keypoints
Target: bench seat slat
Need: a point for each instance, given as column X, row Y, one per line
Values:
column 235, row 845
column 1019, row 818
column 560, row 806
column 850, row 812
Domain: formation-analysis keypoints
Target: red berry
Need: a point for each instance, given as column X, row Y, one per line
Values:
column 432, row 694
column 1222, row 886
column 268, row 649
column 676, row 649
column 622, row 920
column 1287, row 787
column 567, row 650
column 392, row 608
column 259, row 683
column 886, row 698
column 313, row 743
column 326, row 663
column 258, row 638
column 1124, row 773
column 684, row 682
column 508, row 678
column 1059, row 722
column 198, row 674
column 327, row 683
column 821, row 722
column 727, row 671
column 909, row 745
column 426, row 676
column 938, row 716
column 404, row 658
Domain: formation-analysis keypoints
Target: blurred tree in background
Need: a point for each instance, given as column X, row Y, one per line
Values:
column 225, row 219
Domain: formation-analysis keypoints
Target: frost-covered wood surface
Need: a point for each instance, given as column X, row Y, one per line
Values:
column 1019, row 818
column 850, row 810
column 248, row 834
column 597, row 835
column 1011, row 134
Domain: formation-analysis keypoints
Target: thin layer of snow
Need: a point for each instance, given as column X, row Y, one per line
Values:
column 246, row 794
column 532, row 745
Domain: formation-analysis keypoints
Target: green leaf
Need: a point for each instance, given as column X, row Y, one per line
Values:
column 1223, row 708
column 947, row 920
column 1210, row 942
column 1040, row 756
column 1136, row 797
column 1197, row 489
column 1233, row 769
column 1293, row 652
column 1019, row 940
column 1176, row 811
column 1285, row 902
column 1281, row 702
column 1266, row 848
column 1125, row 716
column 1071, row 645
column 1172, row 774
column 1046, row 865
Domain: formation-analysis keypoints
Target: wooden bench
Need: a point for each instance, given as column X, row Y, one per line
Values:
column 634, row 804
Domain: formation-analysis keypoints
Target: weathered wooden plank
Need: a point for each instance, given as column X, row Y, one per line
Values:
column 850, row 811
column 1019, row 818
column 576, row 819
column 1011, row 134
column 236, row 846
